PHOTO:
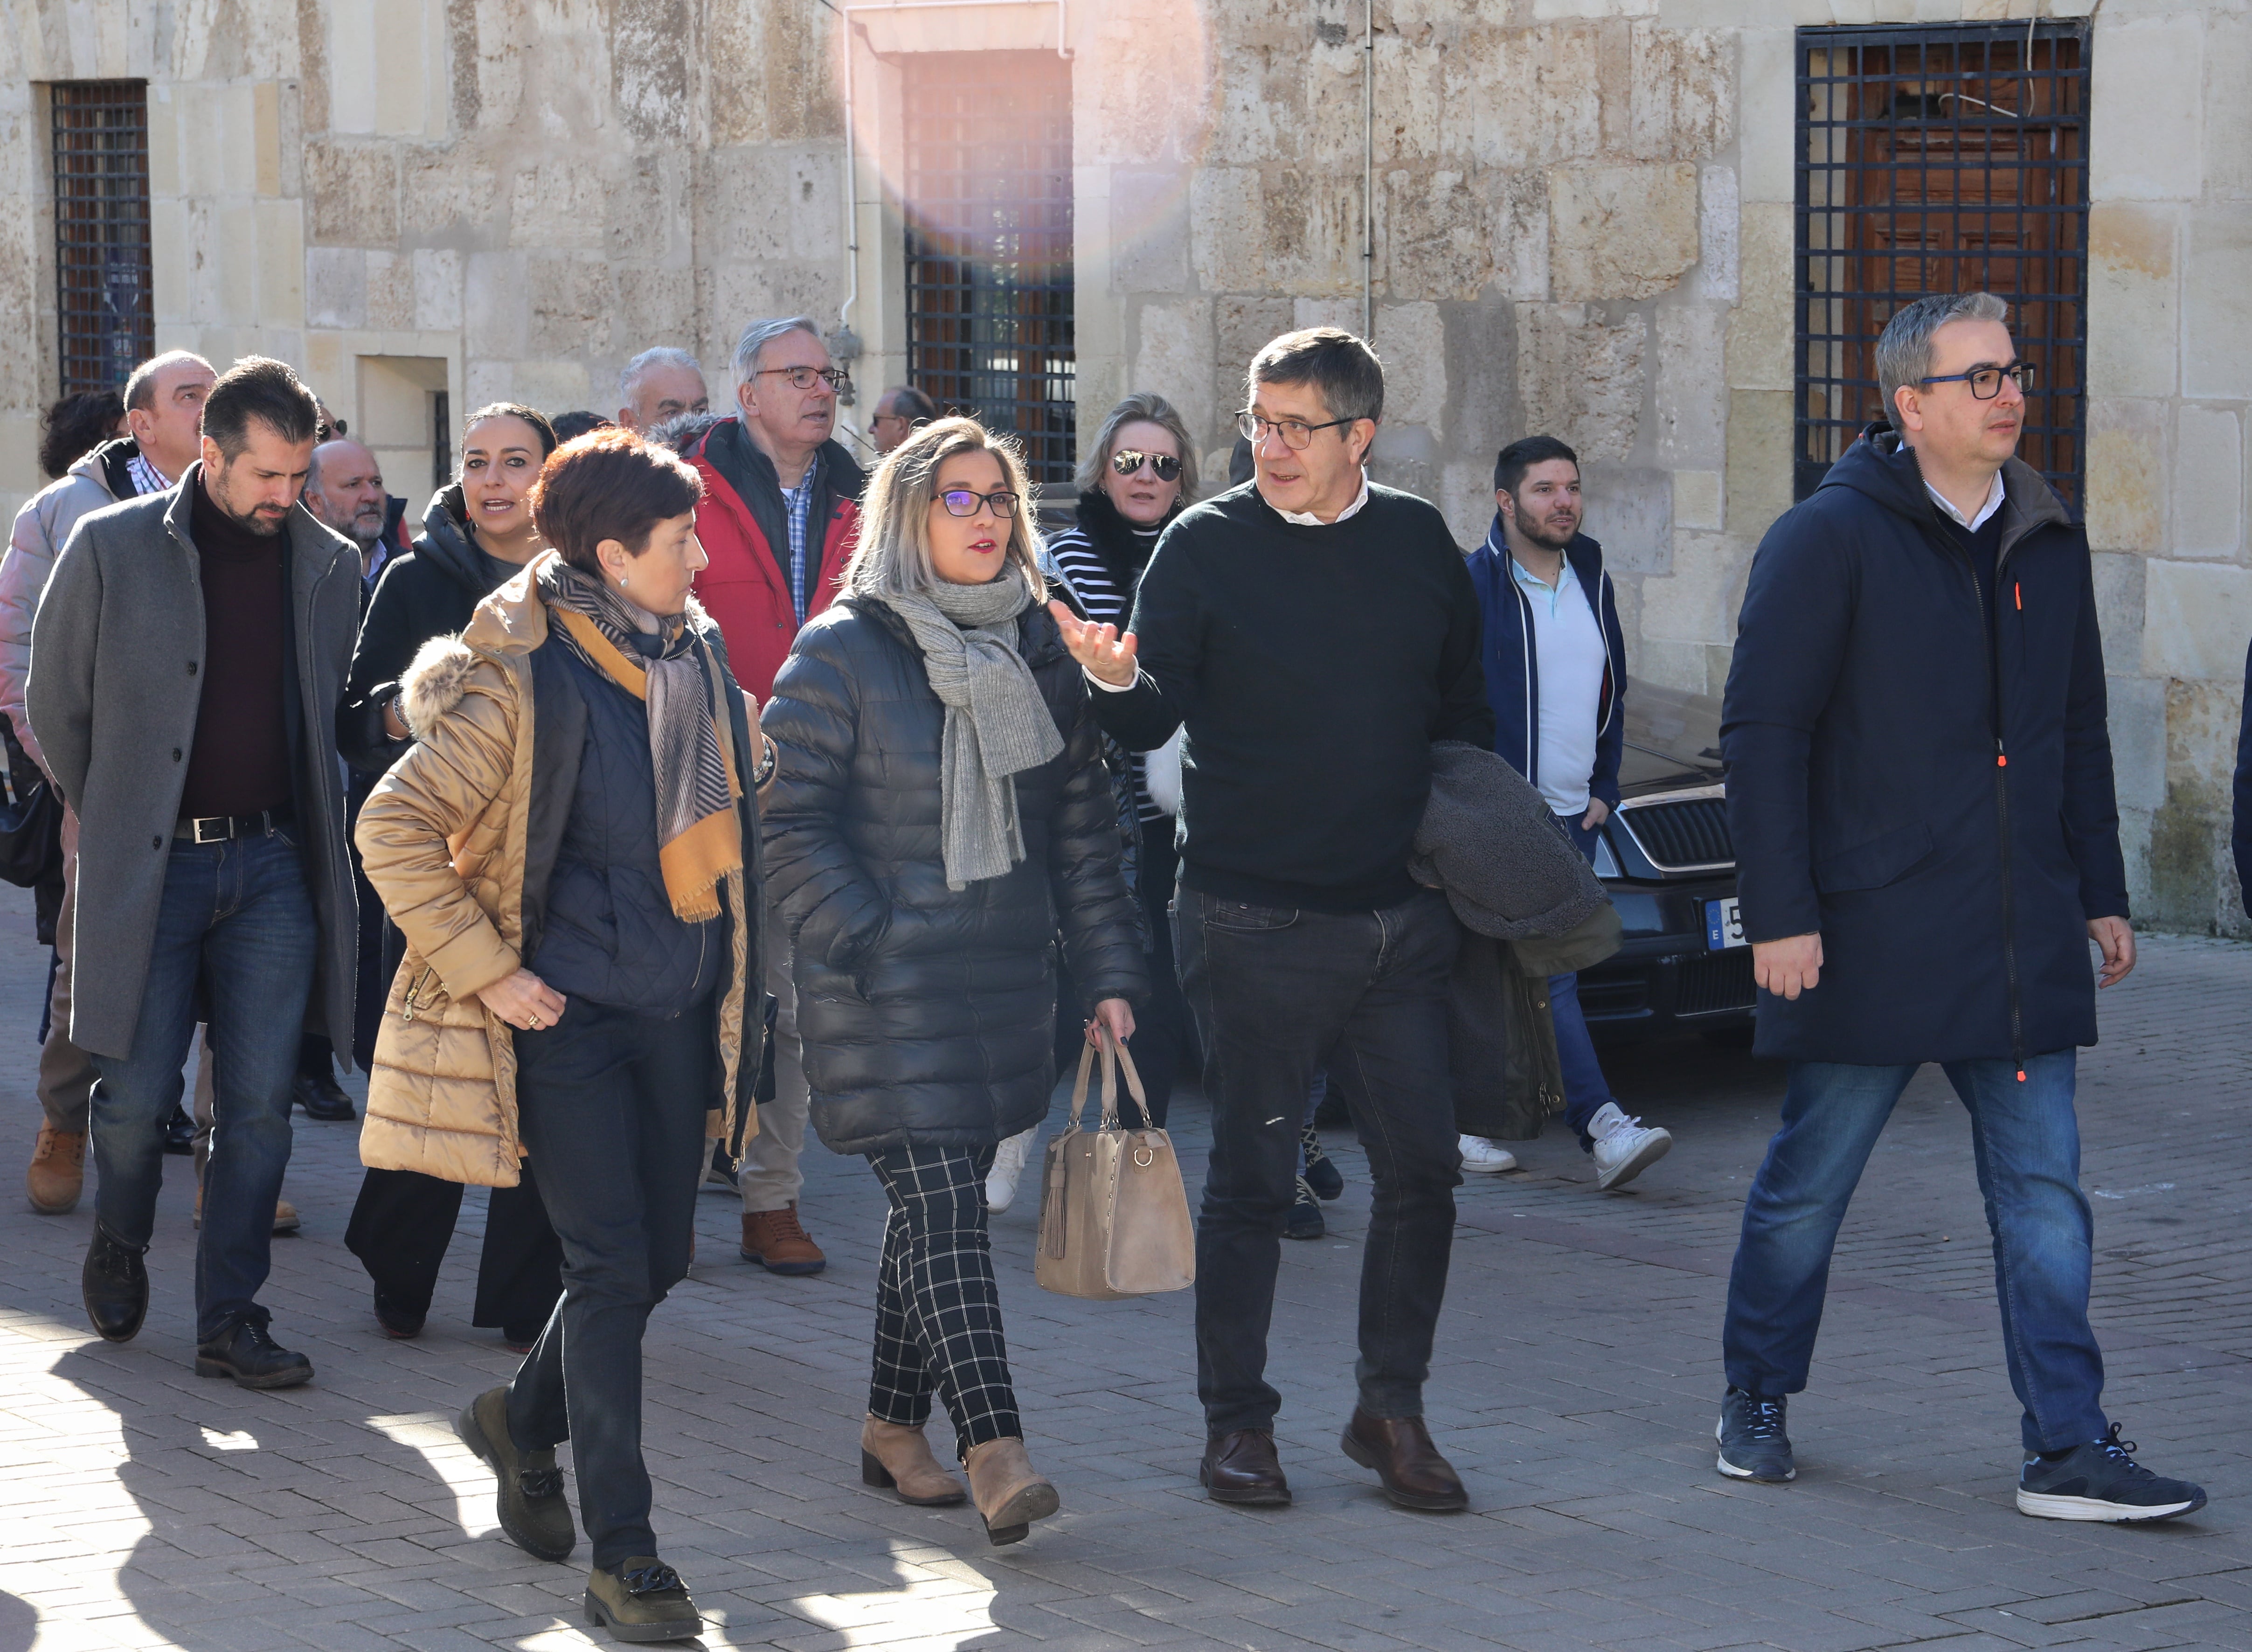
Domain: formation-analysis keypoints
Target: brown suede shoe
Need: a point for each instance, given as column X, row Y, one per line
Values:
column 778, row 1241
column 1401, row 1451
column 896, row 1458
column 1011, row 1493
column 1242, row 1468
column 57, row 1174
column 286, row 1220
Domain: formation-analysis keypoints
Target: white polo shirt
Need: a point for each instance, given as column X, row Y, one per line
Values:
column 1567, row 652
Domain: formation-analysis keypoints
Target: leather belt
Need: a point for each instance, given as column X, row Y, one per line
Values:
column 225, row 828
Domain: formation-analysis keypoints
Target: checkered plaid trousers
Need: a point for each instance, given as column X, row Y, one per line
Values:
column 938, row 1310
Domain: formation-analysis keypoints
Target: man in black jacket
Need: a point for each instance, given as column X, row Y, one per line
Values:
column 1920, row 789
column 1315, row 635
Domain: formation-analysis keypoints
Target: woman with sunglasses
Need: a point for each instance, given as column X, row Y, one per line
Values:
column 1139, row 474
column 938, row 812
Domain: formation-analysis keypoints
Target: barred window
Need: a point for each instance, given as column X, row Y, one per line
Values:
column 989, row 245
column 1939, row 160
column 105, row 315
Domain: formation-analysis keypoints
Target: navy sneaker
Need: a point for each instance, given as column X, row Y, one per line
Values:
column 1322, row 1174
column 1305, row 1219
column 1753, row 1445
column 2102, row 1480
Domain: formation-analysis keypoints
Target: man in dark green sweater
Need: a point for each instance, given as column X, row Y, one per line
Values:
column 1314, row 634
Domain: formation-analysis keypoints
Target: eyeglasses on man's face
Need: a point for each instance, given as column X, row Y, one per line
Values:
column 1986, row 382
column 1296, row 434
column 965, row 501
column 1126, row 461
column 806, row 378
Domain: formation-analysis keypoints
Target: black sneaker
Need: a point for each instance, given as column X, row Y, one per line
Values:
column 114, row 1284
column 323, row 1098
column 1753, row 1445
column 252, row 1358
column 179, row 1133
column 1322, row 1174
column 531, row 1507
column 398, row 1321
column 1305, row 1219
column 2102, row 1480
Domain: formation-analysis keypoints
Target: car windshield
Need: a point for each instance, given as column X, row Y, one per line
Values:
column 1669, row 727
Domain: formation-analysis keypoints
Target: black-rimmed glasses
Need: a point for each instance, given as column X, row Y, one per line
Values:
column 1986, row 382
column 965, row 501
column 1295, row 433
column 805, row 378
column 1126, row 461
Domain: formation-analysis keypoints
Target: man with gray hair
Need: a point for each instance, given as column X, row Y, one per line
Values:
column 1315, row 635
column 779, row 519
column 660, row 384
column 1920, row 790
column 163, row 411
column 896, row 413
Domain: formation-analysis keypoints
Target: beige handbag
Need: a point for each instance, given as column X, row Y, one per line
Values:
column 1114, row 1215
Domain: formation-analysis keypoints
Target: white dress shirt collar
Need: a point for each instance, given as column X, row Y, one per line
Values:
column 1994, row 497
column 1307, row 518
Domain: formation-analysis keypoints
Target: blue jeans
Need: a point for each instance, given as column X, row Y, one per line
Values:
column 2027, row 1142
column 1585, row 1089
column 237, row 918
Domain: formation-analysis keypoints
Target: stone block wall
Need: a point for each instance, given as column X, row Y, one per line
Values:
column 1583, row 225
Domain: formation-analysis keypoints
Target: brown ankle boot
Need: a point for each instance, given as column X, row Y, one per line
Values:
column 57, row 1174
column 896, row 1457
column 777, row 1241
column 1009, row 1492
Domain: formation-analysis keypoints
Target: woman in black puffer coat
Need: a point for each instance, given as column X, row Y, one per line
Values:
column 939, row 814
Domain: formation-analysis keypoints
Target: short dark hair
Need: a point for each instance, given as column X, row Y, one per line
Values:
column 75, row 427
column 909, row 403
column 261, row 388
column 569, row 426
column 1341, row 367
column 1522, row 455
column 531, row 417
column 609, row 484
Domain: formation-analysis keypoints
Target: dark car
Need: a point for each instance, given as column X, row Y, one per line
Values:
column 1671, row 869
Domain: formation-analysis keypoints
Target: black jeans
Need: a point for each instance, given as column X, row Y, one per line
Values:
column 403, row 1222
column 612, row 1107
column 1277, row 995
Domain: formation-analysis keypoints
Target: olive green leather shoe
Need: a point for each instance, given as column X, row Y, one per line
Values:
column 642, row 1598
column 531, row 1507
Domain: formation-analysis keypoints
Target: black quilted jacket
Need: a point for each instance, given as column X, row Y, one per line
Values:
column 928, row 1013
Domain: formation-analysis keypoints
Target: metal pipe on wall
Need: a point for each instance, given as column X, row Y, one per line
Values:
column 1368, row 172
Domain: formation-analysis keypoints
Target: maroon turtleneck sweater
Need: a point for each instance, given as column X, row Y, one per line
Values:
column 240, row 760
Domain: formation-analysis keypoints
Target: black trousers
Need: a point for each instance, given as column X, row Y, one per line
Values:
column 612, row 1107
column 403, row 1222
column 1162, row 1033
column 1278, row 994
column 938, row 1307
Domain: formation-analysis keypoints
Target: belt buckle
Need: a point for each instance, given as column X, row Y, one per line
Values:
column 224, row 823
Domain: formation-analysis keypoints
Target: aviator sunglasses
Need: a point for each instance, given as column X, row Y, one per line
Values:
column 1126, row 461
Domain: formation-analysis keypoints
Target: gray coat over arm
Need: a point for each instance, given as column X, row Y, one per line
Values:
column 116, row 683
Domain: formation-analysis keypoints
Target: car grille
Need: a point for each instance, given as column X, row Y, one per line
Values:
column 1680, row 836
column 1711, row 985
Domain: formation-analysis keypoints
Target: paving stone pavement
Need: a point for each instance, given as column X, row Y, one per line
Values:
column 1575, row 1385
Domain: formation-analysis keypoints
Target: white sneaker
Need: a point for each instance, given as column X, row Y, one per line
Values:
column 1481, row 1157
column 1008, row 1165
column 1624, row 1149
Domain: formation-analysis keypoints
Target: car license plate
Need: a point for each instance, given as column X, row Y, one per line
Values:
column 1724, row 925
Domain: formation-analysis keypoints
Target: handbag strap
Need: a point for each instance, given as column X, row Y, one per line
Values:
column 1132, row 1077
column 1106, row 1112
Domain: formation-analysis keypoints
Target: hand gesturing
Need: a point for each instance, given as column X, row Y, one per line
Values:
column 1102, row 650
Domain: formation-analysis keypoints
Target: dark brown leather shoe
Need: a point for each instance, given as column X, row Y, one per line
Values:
column 1401, row 1451
column 1241, row 1468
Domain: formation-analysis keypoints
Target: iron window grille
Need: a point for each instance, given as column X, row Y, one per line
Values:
column 1943, row 159
column 989, row 246
column 105, row 315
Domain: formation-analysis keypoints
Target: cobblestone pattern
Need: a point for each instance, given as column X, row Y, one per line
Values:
column 1575, row 1385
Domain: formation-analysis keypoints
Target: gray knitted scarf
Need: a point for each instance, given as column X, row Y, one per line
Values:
column 997, row 723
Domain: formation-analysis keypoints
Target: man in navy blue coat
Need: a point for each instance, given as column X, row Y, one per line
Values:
column 1555, row 674
column 1920, row 790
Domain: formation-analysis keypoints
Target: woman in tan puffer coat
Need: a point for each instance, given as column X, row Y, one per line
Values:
column 570, row 850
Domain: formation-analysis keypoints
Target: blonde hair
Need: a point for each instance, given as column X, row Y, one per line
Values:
column 1144, row 406
column 893, row 557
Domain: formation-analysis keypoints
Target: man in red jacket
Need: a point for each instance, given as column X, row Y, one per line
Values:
column 780, row 511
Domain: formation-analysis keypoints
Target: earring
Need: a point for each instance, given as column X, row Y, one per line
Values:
column 621, row 582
